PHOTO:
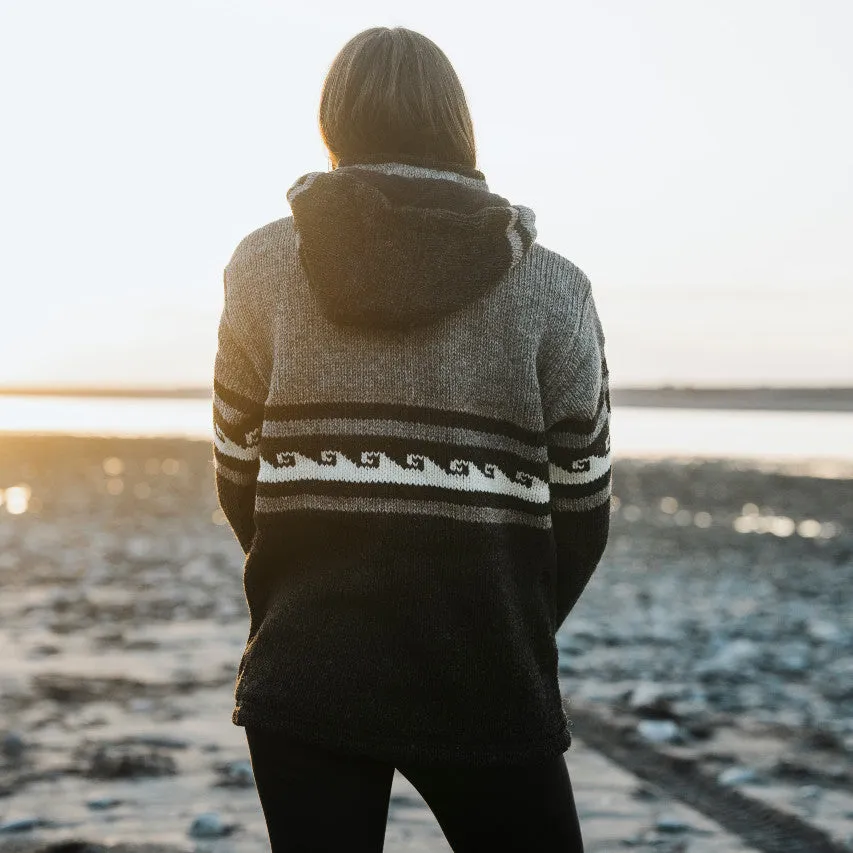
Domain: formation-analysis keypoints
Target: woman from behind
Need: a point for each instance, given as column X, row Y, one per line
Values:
column 411, row 415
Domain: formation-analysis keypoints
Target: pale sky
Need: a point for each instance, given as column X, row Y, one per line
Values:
column 692, row 157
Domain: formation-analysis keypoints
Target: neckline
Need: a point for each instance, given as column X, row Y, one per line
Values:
column 470, row 177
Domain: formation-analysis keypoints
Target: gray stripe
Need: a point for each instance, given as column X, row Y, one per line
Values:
column 527, row 219
column 515, row 247
column 297, row 188
column 241, row 478
column 402, row 429
column 580, row 440
column 408, row 171
column 580, row 504
column 460, row 512
column 229, row 413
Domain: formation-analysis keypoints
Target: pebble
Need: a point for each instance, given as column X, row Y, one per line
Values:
column 671, row 823
column 13, row 745
column 23, row 824
column 129, row 761
column 660, row 731
column 210, row 825
column 649, row 696
column 737, row 776
column 732, row 662
column 104, row 803
column 237, row 774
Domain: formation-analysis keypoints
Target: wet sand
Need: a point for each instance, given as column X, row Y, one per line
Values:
column 721, row 605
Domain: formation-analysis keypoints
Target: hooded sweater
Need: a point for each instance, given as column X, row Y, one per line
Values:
column 411, row 418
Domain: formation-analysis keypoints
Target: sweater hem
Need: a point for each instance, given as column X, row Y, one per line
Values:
column 401, row 751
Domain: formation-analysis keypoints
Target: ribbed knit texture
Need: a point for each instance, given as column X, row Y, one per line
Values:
column 421, row 505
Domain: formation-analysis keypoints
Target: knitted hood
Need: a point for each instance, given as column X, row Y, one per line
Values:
column 392, row 245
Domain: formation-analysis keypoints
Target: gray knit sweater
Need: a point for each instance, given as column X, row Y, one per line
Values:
column 411, row 443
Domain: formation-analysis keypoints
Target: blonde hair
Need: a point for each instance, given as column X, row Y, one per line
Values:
column 393, row 93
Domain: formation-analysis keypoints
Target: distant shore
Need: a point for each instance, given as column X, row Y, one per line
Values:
column 792, row 398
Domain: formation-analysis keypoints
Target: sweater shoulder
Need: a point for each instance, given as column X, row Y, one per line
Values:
column 262, row 245
column 558, row 282
column 562, row 290
column 257, row 269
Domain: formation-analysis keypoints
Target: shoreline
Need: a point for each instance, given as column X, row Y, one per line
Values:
column 759, row 397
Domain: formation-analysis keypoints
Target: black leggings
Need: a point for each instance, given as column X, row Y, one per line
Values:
column 315, row 799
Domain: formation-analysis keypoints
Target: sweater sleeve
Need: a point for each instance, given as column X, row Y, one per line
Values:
column 577, row 423
column 239, row 394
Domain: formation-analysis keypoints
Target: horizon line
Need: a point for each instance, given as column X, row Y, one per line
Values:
column 831, row 398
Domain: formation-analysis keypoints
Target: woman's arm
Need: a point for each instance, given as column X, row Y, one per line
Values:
column 239, row 394
column 577, row 421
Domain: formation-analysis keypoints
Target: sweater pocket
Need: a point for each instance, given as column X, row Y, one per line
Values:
column 258, row 586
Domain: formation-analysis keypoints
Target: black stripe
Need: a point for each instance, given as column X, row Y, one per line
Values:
column 405, row 412
column 397, row 448
column 247, row 406
column 396, row 490
column 579, row 490
column 250, row 466
column 235, row 431
column 584, row 426
column 565, row 456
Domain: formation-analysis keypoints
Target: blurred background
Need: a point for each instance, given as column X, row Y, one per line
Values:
column 693, row 159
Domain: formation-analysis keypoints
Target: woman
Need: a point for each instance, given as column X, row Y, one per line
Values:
column 411, row 419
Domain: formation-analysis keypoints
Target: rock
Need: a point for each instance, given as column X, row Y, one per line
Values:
column 649, row 697
column 737, row 776
column 792, row 657
column 210, row 825
column 660, row 731
column 104, row 803
column 809, row 792
column 671, row 823
column 13, row 745
column 700, row 727
column 163, row 741
column 824, row 631
column 837, row 680
column 735, row 662
column 129, row 761
column 23, row 824
column 236, row 774
column 644, row 793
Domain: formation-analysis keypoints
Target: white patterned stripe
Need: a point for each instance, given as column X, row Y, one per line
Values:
column 230, row 448
column 587, row 470
column 382, row 469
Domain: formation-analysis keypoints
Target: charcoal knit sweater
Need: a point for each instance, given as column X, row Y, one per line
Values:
column 411, row 443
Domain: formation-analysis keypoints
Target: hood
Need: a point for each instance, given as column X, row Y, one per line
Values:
column 395, row 245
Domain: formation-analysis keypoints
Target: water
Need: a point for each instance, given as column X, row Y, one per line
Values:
column 636, row 431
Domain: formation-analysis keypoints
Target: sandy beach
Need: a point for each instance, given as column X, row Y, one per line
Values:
column 722, row 605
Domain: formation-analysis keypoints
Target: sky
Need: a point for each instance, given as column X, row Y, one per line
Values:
column 692, row 158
